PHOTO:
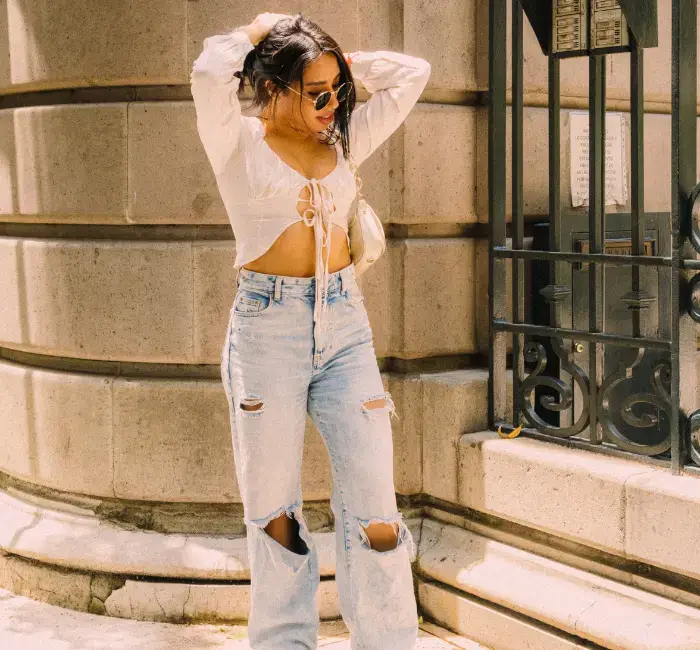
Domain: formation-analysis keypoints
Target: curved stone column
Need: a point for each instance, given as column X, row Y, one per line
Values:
column 116, row 275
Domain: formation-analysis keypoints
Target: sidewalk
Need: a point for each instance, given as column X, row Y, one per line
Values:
column 29, row 625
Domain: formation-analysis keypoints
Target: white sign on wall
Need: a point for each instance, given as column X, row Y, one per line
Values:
column 615, row 159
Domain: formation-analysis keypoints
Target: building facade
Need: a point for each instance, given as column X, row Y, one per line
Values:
column 117, row 486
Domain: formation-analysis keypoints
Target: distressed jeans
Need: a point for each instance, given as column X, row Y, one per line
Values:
column 273, row 376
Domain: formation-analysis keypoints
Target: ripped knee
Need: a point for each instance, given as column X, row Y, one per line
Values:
column 251, row 405
column 381, row 536
column 380, row 403
column 285, row 530
column 384, row 534
column 294, row 535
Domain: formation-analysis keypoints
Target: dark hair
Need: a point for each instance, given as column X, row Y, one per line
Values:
column 282, row 55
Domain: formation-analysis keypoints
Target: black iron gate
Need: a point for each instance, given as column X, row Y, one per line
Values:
column 624, row 388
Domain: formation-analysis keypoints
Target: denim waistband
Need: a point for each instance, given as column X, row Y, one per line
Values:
column 338, row 282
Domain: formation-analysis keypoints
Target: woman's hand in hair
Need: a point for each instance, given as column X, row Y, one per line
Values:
column 261, row 26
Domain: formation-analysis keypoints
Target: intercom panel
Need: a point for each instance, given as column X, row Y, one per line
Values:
column 608, row 25
column 569, row 26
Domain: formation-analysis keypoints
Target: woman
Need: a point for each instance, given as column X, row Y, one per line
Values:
column 298, row 339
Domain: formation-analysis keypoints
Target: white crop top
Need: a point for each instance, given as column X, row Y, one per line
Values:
column 259, row 190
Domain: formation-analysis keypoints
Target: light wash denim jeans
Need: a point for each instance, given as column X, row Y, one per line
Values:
column 270, row 363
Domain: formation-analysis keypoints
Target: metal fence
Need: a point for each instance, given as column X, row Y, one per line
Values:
column 626, row 387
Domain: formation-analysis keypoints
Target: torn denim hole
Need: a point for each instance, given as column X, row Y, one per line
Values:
column 279, row 553
column 388, row 405
column 405, row 538
column 251, row 406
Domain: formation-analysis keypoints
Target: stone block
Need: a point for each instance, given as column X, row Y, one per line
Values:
column 71, row 162
column 454, row 62
column 453, row 403
column 63, row 43
column 57, row 428
column 406, row 392
column 170, row 179
column 570, row 493
column 366, row 27
column 437, row 310
column 380, row 294
column 663, row 515
column 98, row 299
column 440, row 165
column 172, row 441
column 214, row 291
column 8, row 154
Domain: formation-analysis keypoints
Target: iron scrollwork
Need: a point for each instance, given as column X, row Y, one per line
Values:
column 658, row 399
column 536, row 353
column 693, row 305
column 694, row 436
column 693, row 228
column 641, row 410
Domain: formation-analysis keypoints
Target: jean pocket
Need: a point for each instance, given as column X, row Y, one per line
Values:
column 251, row 303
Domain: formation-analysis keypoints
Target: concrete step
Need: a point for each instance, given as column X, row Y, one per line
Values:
column 67, row 556
column 31, row 625
column 497, row 593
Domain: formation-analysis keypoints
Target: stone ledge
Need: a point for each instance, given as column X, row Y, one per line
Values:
column 22, row 619
column 138, row 599
column 66, row 556
column 620, row 506
column 584, row 492
column 75, row 538
column 663, row 521
column 493, row 627
column 89, row 561
column 576, row 602
column 192, row 603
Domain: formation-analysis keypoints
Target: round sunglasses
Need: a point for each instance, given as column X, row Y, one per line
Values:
column 322, row 100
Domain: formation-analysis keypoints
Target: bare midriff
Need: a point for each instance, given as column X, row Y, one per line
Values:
column 294, row 253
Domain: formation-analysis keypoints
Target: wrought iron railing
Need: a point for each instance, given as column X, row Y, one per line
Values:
column 576, row 379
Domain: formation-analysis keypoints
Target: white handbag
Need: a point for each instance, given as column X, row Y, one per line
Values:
column 365, row 231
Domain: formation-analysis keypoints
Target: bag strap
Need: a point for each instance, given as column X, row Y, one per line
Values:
column 358, row 180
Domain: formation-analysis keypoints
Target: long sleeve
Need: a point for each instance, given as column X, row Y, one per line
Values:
column 214, row 92
column 395, row 82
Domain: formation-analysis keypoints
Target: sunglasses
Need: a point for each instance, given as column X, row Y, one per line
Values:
column 322, row 100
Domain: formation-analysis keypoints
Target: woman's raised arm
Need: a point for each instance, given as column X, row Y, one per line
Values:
column 214, row 92
column 214, row 87
column 395, row 81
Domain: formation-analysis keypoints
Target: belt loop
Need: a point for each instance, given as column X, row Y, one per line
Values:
column 238, row 279
column 278, row 288
column 341, row 278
